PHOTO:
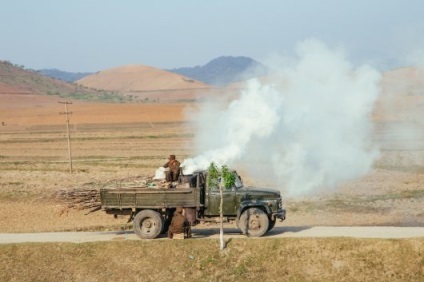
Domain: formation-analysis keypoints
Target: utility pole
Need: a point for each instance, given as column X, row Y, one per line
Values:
column 67, row 113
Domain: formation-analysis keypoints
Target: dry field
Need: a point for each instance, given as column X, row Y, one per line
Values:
column 34, row 157
column 114, row 141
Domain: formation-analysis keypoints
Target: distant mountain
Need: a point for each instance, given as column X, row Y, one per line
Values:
column 224, row 70
column 64, row 75
column 220, row 71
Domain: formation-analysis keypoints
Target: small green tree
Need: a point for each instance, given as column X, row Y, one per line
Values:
column 227, row 181
column 228, row 177
column 213, row 175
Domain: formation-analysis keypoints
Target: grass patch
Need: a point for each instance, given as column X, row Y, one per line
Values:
column 412, row 194
column 18, row 195
column 100, row 96
column 31, row 167
column 407, row 194
column 93, row 138
column 119, row 164
column 15, row 183
column 403, row 168
column 288, row 259
column 100, row 228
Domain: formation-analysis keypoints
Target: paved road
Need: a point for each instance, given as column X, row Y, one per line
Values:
column 277, row 232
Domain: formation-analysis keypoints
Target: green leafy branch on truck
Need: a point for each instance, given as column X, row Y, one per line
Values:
column 228, row 178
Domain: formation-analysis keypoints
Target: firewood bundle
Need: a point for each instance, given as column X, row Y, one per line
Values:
column 87, row 196
column 79, row 198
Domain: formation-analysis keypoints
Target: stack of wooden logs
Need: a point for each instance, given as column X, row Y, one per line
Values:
column 87, row 196
column 79, row 198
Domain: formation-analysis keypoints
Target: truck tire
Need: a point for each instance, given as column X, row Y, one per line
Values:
column 167, row 218
column 271, row 223
column 253, row 222
column 148, row 224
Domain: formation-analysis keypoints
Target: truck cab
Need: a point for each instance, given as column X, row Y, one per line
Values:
column 247, row 205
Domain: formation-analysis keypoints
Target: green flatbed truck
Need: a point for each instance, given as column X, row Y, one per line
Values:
column 151, row 209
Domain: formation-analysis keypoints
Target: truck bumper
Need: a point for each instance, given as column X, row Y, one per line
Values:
column 281, row 214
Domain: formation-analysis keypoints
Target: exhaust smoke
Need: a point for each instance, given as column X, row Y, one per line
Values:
column 307, row 128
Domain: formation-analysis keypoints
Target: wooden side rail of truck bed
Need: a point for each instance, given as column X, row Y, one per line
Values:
column 148, row 198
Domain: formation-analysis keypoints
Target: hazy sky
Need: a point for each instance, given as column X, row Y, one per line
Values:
column 92, row 35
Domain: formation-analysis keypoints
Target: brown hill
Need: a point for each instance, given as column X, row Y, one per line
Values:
column 24, row 88
column 133, row 78
column 9, row 89
column 21, row 86
column 145, row 82
column 16, row 80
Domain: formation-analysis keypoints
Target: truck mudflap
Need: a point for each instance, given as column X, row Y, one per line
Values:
column 281, row 214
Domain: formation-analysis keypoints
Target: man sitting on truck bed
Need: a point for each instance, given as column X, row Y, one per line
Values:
column 179, row 224
column 174, row 169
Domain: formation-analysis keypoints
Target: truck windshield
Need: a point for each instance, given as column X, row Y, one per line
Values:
column 238, row 183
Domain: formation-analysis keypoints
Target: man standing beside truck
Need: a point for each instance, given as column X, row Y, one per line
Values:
column 174, row 169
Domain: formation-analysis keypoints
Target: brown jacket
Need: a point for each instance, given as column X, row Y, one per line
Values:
column 178, row 223
column 173, row 165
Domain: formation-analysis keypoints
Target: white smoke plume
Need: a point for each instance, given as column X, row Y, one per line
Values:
column 308, row 127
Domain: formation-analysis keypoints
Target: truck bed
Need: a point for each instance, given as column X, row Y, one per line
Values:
column 154, row 198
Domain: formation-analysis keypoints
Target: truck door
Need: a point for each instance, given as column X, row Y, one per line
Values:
column 213, row 200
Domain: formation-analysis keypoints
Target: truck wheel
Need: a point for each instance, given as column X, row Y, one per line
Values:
column 148, row 224
column 271, row 223
column 253, row 222
column 167, row 220
column 165, row 227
